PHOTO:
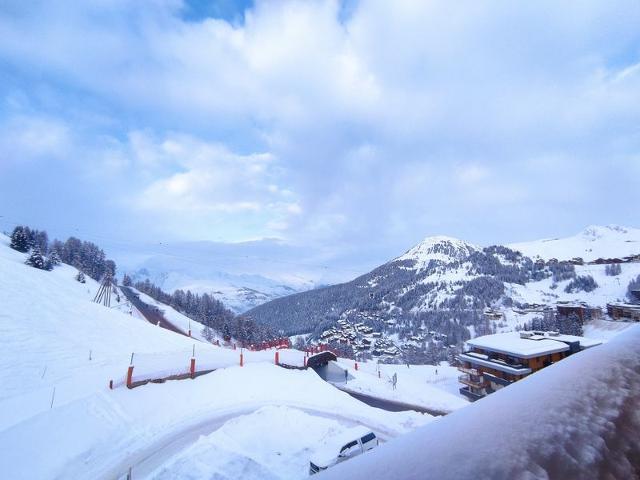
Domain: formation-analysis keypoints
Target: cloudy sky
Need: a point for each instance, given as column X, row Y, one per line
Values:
column 349, row 126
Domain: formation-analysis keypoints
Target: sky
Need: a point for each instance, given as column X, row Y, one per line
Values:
column 355, row 128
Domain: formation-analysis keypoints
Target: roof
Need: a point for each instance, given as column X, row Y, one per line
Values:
column 329, row 451
column 511, row 344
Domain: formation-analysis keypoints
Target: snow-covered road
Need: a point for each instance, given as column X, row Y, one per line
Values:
column 153, row 455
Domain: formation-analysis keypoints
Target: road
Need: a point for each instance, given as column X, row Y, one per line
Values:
column 146, row 459
column 150, row 312
column 334, row 374
column 390, row 406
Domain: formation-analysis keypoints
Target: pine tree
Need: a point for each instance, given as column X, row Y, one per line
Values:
column 52, row 260
column 126, row 280
column 36, row 260
column 19, row 240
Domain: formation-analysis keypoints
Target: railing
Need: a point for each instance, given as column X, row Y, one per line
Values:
column 496, row 379
column 470, row 371
column 467, row 380
column 470, row 395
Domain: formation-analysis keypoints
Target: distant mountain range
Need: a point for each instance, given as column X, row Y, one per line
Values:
column 443, row 274
column 241, row 275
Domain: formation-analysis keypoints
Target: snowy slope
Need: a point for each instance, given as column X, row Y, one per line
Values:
column 58, row 419
column 593, row 242
column 575, row 419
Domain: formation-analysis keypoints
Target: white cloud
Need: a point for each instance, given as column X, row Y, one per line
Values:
column 407, row 119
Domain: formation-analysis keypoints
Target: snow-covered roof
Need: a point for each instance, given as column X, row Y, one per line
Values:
column 511, row 344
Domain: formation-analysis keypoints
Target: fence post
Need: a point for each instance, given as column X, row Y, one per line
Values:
column 130, row 376
column 241, row 359
column 356, row 365
column 277, row 357
column 193, row 367
column 305, row 361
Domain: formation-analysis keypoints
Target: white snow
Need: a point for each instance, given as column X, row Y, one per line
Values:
column 417, row 385
column 440, row 248
column 512, row 344
column 49, row 326
column 176, row 318
column 575, row 419
column 593, row 242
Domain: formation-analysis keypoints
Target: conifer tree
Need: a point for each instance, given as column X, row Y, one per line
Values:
column 36, row 260
column 19, row 240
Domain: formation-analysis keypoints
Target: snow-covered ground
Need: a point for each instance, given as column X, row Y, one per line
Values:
column 595, row 241
column 179, row 320
column 426, row 386
column 575, row 419
column 610, row 288
column 58, row 418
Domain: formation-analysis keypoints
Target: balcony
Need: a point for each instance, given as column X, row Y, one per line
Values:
column 477, row 382
column 495, row 363
column 470, row 395
column 470, row 371
column 497, row 380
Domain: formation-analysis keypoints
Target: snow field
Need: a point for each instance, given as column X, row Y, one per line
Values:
column 48, row 327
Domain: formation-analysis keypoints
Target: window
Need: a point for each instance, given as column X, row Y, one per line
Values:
column 368, row 437
column 348, row 446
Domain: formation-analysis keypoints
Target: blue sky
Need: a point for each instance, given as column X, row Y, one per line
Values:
column 349, row 127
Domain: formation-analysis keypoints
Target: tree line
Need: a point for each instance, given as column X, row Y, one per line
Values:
column 87, row 257
column 207, row 310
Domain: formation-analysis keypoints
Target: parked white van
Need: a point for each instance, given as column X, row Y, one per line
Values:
column 346, row 445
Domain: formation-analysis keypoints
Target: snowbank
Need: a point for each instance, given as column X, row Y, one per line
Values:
column 575, row 419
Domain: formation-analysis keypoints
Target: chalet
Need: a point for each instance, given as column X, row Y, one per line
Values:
column 582, row 310
column 624, row 311
column 495, row 361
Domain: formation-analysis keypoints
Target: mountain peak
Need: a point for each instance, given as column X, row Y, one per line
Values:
column 439, row 247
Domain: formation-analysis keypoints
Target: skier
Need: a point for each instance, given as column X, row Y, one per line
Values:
column 394, row 380
column 346, row 376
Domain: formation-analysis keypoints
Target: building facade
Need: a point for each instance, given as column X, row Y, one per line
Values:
column 496, row 361
column 624, row 311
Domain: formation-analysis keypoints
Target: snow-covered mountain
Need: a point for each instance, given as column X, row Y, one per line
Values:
column 447, row 283
column 238, row 292
column 611, row 241
column 438, row 248
column 241, row 275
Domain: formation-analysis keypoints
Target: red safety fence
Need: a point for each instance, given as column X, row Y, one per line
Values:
column 266, row 345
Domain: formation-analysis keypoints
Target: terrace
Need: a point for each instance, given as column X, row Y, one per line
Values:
column 495, row 363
